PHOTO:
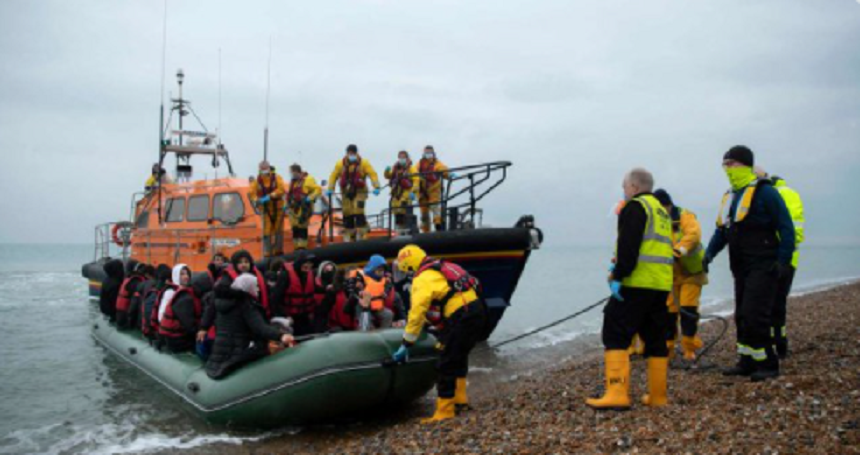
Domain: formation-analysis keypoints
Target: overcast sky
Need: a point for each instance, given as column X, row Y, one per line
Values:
column 574, row 93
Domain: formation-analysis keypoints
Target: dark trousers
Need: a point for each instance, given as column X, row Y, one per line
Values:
column 778, row 330
column 689, row 319
column 643, row 311
column 755, row 293
column 303, row 324
column 461, row 333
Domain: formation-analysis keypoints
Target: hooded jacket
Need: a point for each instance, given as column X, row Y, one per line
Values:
column 175, row 278
column 183, row 310
column 110, row 287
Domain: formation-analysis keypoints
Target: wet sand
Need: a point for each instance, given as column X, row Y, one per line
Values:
column 813, row 407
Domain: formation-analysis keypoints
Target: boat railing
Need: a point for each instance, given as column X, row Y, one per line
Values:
column 463, row 187
column 104, row 240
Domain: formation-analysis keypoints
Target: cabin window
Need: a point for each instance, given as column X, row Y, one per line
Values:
column 198, row 208
column 142, row 220
column 175, row 210
column 228, row 208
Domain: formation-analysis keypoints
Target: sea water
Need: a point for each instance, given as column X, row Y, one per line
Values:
column 60, row 392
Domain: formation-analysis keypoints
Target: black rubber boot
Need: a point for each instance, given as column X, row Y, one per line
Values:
column 768, row 368
column 744, row 367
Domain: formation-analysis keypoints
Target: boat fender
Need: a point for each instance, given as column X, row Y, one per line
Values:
column 536, row 238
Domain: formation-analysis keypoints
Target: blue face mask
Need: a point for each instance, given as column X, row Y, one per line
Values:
column 428, row 155
column 352, row 158
column 402, row 161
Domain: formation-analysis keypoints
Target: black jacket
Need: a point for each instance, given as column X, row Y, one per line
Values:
column 631, row 229
column 127, row 319
column 183, row 309
column 239, row 321
column 110, row 287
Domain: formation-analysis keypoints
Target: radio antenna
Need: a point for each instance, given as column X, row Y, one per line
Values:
column 219, row 96
column 268, row 92
column 161, row 109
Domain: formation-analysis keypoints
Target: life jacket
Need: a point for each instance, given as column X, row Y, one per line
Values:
column 300, row 297
column 150, row 325
column 351, row 177
column 261, row 283
column 263, row 189
column 297, row 193
column 170, row 325
column 400, row 180
column 655, row 263
column 459, row 280
column 338, row 318
column 381, row 293
column 123, row 301
column 748, row 236
column 427, row 168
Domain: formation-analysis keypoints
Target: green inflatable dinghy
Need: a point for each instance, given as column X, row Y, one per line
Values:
column 322, row 380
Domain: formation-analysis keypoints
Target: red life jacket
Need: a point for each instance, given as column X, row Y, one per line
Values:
column 262, row 189
column 123, row 301
column 170, row 325
column 351, row 175
column 338, row 318
column 152, row 327
column 459, row 280
column 297, row 193
column 400, row 180
column 261, row 283
column 301, row 298
column 427, row 168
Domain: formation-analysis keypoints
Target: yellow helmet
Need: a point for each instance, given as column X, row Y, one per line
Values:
column 409, row 258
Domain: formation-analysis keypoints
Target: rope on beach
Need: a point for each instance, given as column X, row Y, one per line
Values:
column 550, row 325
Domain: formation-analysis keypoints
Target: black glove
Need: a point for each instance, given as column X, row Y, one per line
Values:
column 782, row 270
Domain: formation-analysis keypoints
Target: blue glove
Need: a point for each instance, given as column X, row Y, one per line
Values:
column 401, row 355
column 264, row 199
column 615, row 287
column 307, row 200
column 388, row 170
column 376, row 191
column 611, row 267
column 329, row 193
column 412, row 197
column 452, row 175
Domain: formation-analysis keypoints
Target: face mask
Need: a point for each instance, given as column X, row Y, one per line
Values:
column 296, row 177
column 402, row 161
column 352, row 158
column 740, row 177
column 428, row 155
column 265, row 172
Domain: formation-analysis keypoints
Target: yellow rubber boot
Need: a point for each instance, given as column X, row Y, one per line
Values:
column 617, row 396
column 445, row 409
column 690, row 345
column 657, row 376
column 461, row 399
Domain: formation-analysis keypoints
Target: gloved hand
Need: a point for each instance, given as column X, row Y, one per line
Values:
column 611, row 267
column 615, row 288
column 264, row 199
column 307, row 200
column 452, row 175
column 388, row 170
column 329, row 193
column 401, row 355
column 376, row 191
column 412, row 197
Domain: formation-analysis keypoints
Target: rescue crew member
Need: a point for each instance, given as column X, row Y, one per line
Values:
column 351, row 174
column 640, row 282
column 404, row 182
column 152, row 181
column 432, row 173
column 295, row 294
column 267, row 191
column 301, row 196
column 181, row 319
column 689, row 277
column 755, row 224
column 795, row 208
column 457, row 293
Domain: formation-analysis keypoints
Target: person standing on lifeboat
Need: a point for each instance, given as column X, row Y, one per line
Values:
column 404, row 181
column 432, row 174
column 302, row 195
column 351, row 174
column 267, row 192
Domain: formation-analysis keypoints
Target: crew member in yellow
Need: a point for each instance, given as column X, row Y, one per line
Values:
column 351, row 174
column 795, row 208
column 267, row 193
column 301, row 196
column 640, row 281
column 689, row 277
column 432, row 175
column 448, row 285
column 152, row 181
column 404, row 181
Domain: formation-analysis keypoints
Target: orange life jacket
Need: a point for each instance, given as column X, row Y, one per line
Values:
column 170, row 325
column 381, row 293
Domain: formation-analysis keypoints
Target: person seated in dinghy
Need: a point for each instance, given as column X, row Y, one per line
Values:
column 296, row 294
column 242, row 262
column 241, row 334
column 343, row 299
column 180, row 320
column 115, row 275
column 379, row 296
